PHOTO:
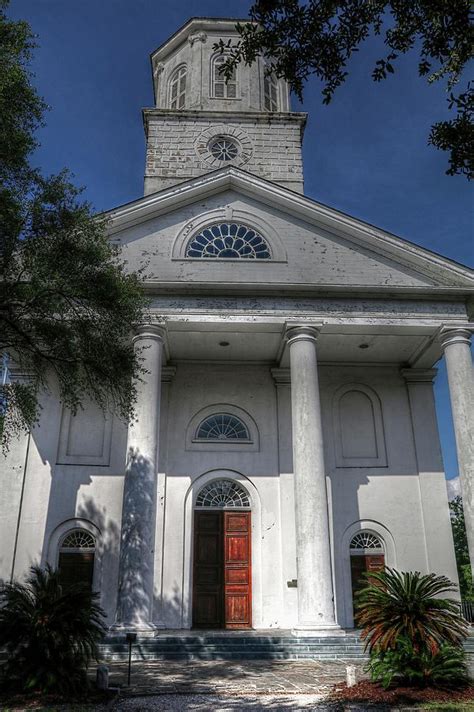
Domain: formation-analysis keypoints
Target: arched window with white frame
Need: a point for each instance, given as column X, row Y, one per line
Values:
column 222, row 87
column 76, row 559
column 177, row 88
column 270, row 90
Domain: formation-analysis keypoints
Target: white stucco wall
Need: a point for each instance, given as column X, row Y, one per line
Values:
column 305, row 254
column 405, row 504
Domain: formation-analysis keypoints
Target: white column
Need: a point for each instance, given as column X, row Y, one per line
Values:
column 456, row 344
column 135, row 593
column 316, row 611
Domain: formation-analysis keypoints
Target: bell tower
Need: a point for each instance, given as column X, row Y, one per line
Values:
column 201, row 123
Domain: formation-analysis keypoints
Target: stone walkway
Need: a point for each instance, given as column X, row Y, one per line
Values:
column 230, row 678
column 217, row 703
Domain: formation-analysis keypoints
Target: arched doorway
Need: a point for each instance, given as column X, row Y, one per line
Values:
column 367, row 553
column 222, row 567
column 76, row 559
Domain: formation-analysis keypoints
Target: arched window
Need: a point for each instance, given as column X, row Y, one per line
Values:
column 363, row 541
column 222, row 88
column 228, row 240
column 76, row 559
column 221, row 427
column 177, row 88
column 270, row 90
column 223, row 494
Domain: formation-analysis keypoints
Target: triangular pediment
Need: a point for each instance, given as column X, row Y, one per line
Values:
column 313, row 246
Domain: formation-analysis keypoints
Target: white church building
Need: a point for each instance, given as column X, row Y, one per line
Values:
column 286, row 438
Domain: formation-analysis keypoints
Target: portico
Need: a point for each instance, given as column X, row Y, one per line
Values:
column 290, row 350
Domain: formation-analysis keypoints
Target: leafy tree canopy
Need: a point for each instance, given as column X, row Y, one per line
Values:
column 67, row 305
column 461, row 550
column 301, row 38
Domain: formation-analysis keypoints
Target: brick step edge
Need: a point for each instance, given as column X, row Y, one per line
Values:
column 237, row 656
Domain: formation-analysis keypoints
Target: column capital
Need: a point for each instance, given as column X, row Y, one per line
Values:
column 302, row 332
column 459, row 334
column 149, row 331
column 419, row 375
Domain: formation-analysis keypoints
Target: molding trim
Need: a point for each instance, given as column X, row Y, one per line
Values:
column 419, row 375
column 281, row 376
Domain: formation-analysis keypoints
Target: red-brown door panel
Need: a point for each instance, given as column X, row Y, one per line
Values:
column 237, row 570
column 237, row 549
column 236, row 576
column 237, row 610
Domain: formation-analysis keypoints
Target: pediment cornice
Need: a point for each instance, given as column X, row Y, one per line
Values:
column 443, row 271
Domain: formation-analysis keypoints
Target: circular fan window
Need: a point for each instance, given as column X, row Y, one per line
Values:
column 366, row 540
column 228, row 241
column 222, row 426
column 78, row 539
column 223, row 494
column 223, row 148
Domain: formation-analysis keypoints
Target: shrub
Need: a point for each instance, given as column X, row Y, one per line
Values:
column 50, row 634
column 403, row 665
column 412, row 634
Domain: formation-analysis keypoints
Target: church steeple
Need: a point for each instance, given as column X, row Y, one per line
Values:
column 202, row 123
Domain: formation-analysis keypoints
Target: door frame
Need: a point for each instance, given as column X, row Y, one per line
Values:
column 256, row 542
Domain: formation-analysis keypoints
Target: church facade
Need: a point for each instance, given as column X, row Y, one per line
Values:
column 286, row 437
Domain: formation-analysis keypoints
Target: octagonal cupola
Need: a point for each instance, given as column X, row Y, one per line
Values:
column 201, row 122
column 186, row 73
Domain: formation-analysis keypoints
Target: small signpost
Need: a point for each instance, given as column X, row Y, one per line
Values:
column 131, row 638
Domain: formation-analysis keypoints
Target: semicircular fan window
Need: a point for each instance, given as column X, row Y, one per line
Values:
column 366, row 540
column 232, row 241
column 222, row 426
column 78, row 539
column 223, row 493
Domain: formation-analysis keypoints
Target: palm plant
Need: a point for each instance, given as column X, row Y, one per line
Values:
column 398, row 604
column 50, row 634
column 413, row 634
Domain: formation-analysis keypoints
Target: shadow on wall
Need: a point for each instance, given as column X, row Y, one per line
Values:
column 107, row 554
column 169, row 609
column 135, row 587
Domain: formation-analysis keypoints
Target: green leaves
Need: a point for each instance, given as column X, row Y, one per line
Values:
column 407, row 605
column 67, row 304
column 461, row 549
column 404, row 665
column 50, row 635
column 302, row 38
column 412, row 633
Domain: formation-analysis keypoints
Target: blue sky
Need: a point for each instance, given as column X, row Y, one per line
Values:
column 366, row 154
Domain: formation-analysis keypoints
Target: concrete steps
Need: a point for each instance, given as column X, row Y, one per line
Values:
column 238, row 646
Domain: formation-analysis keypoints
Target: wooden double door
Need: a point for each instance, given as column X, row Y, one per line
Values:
column 222, row 576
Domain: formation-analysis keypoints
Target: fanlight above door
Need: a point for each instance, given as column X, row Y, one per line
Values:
column 223, row 494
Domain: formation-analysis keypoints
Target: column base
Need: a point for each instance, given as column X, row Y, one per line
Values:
column 318, row 631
